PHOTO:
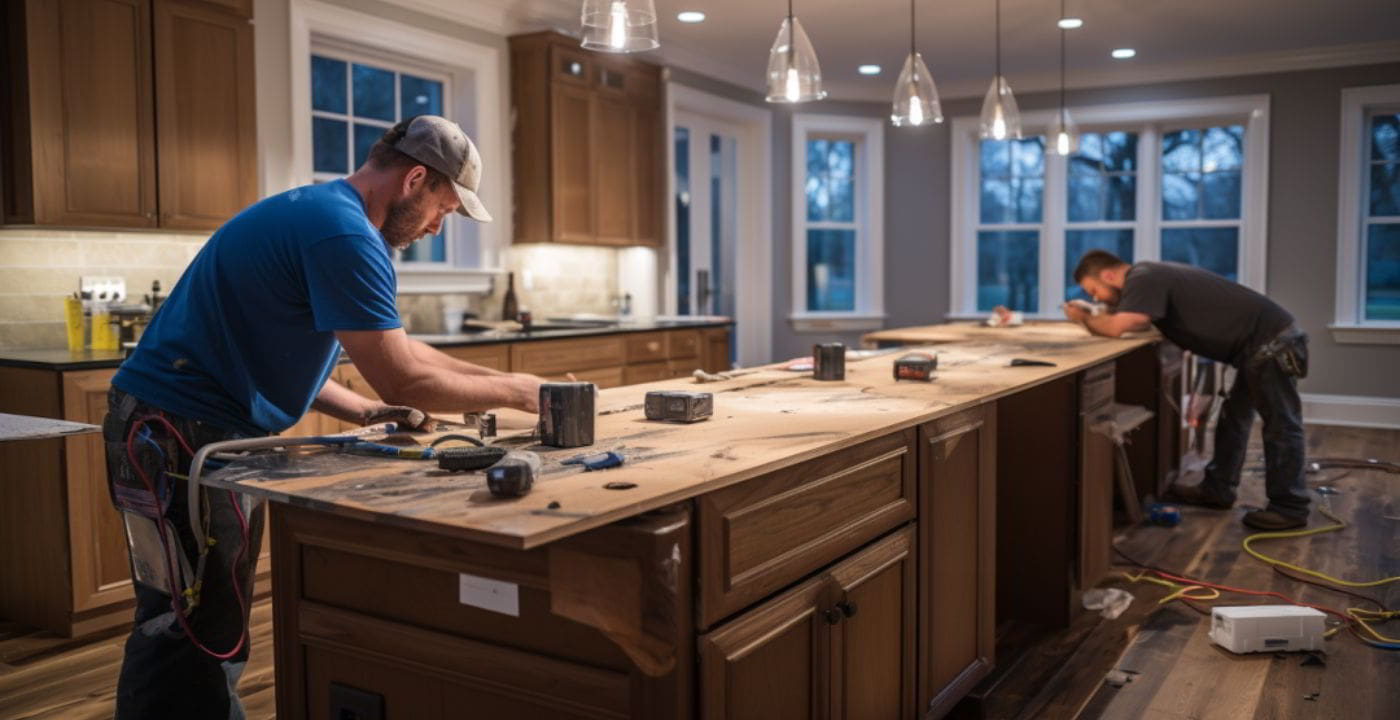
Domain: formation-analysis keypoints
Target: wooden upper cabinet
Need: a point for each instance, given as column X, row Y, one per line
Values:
column 84, row 82
column 205, row 117
column 587, row 139
column 571, row 137
column 82, row 138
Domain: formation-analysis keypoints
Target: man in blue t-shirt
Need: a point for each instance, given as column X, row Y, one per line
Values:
column 244, row 346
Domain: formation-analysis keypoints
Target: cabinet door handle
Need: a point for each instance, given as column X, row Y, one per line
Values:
column 832, row 616
column 847, row 608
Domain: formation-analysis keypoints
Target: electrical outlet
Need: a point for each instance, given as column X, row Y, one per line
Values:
column 107, row 288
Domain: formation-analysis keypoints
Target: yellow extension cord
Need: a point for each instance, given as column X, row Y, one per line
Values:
column 1360, row 615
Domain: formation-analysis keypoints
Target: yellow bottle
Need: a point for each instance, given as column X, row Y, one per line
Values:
column 73, row 319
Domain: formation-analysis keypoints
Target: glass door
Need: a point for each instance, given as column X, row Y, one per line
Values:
column 706, row 207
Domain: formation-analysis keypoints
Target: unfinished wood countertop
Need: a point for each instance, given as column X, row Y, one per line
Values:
column 764, row 419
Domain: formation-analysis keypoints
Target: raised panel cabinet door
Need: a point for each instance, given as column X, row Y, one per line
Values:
column 1096, row 481
column 571, row 163
column 716, row 350
column 613, row 189
column 100, row 566
column 205, row 115
column 92, row 112
column 957, row 551
column 648, row 184
column 874, row 640
column 772, row 662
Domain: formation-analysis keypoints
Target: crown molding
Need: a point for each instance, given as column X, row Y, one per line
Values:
column 1132, row 73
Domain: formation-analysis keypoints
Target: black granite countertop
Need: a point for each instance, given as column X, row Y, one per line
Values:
column 64, row 360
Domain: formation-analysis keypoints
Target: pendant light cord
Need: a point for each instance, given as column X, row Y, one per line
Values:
column 911, row 27
column 792, row 39
column 1062, row 66
column 998, row 46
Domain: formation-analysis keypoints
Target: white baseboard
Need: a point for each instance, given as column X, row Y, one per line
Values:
column 1351, row 410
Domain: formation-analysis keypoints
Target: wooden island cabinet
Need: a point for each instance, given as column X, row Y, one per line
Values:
column 815, row 550
column 63, row 557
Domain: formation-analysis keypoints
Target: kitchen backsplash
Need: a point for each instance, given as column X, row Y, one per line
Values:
column 39, row 267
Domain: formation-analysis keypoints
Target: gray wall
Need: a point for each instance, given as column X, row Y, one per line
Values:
column 1303, row 178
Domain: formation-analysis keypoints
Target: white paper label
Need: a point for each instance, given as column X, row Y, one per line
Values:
column 488, row 594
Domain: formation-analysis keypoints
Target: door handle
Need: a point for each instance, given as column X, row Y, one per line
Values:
column 832, row 616
column 847, row 608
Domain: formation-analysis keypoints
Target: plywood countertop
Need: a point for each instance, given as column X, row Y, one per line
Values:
column 764, row 419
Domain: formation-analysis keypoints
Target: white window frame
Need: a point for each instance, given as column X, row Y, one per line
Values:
column 1353, row 191
column 869, row 171
column 473, row 89
column 1149, row 120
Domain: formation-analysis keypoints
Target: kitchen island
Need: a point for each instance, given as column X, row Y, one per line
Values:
column 816, row 549
column 62, row 545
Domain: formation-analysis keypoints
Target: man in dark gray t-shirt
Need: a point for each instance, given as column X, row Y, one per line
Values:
column 1227, row 322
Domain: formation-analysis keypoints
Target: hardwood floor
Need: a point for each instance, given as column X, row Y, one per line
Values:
column 45, row 676
column 1177, row 672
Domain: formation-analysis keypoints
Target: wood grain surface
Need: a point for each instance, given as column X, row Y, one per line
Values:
column 764, row 420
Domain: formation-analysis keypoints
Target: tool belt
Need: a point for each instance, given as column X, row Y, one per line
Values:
column 1289, row 349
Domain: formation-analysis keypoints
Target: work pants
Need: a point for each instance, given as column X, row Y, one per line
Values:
column 1267, row 383
column 164, row 674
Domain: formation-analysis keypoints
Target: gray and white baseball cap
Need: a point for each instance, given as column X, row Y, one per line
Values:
column 441, row 145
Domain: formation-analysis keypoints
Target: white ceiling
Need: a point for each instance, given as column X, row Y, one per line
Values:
column 1175, row 39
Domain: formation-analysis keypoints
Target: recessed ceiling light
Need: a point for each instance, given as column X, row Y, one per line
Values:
column 869, row 69
column 1124, row 53
column 691, row 16
column 1070, row 23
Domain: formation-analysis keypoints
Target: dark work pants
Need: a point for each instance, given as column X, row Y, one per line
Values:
column 1263, row 384
column 164, row 675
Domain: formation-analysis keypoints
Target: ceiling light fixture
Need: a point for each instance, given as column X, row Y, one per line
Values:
column 619, row 26
column 1123, row 53
column 1064, row 136
column 915, row 97
column 691, row 16
column 869, row 69
column 794, row 76
column 1000, row 117
column 1069, row 23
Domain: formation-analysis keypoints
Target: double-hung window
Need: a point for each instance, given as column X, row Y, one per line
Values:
column 1181, row 181
column 1368, row 226
column 353, row 103
column 354, row 76
column 838, row 209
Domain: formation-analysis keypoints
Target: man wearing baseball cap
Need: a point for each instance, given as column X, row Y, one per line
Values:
column 243, row 347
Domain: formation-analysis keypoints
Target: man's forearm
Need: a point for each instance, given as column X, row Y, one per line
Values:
column 433, row 388
column 429, row 355
column 342, row 403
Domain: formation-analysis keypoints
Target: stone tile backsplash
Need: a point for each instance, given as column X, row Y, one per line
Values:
column 39, row 267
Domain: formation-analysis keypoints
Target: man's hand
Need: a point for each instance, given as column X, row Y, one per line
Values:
column 1075, row 313
column 525, row 391
column 405, row 417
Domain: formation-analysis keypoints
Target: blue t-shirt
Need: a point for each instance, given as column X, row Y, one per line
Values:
column 246, row 339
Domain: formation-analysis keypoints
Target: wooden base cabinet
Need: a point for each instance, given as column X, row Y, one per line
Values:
column 840, row 645
column 957, row 549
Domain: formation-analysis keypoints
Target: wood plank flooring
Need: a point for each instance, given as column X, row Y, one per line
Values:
column 1178, row 673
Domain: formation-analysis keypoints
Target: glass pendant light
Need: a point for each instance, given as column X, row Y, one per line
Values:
column 1000, row 118
column 1064, row 136
column 915, row 97
column 793, row 73
column 619, row 26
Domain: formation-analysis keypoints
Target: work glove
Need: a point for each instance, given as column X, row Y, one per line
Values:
column 405, row 417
